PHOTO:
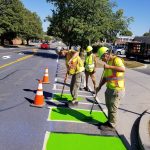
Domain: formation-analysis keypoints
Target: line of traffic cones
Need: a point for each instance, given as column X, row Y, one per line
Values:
column 39, row 98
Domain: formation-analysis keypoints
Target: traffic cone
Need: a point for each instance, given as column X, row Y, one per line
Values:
column 39, row 98
column 46, row 77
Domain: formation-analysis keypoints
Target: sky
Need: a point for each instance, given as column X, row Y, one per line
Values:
column 138, row 9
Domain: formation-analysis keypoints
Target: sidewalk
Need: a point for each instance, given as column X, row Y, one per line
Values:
column 131, row 108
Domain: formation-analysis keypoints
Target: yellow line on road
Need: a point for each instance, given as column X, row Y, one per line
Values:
column 20, row 59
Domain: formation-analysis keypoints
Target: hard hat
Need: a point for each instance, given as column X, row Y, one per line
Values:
column 89, row 48
column 101, row 51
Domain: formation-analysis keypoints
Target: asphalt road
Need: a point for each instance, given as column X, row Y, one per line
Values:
column 22, row 126
column 145, row 70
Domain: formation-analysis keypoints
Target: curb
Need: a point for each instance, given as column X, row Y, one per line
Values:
column 144, row 135
column 142, row 67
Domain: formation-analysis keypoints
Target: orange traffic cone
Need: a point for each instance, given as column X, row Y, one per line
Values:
column 46, row 77
column 39, row 98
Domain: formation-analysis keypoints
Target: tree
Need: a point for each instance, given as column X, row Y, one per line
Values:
column 32, row 26
column 16, row 20
column 126, row 33
column 11, row 19
column 147, row 33
column 85, row 21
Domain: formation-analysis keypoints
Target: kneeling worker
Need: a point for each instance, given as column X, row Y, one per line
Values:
column 113, row 76
column 75, row 68
column 90, row 67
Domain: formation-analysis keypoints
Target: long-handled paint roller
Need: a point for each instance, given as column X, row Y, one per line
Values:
column 95, row 101
column 89, row 118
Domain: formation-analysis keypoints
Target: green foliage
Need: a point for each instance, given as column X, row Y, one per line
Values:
column 146, row 34
column 126, row 33
column 47, row 38
column 85, row 21
column 18, row 21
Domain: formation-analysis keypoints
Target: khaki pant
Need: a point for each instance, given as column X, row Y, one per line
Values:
column 77, row 82
column 112, row 99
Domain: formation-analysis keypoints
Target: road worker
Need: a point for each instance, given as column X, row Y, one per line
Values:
column 90, row 67
column 75, row 68
column 114, row 78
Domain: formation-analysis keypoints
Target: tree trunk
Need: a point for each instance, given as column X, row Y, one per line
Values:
column 27, row 41
column 2, row 40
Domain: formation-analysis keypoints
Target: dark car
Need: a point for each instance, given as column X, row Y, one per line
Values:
column 45, row 46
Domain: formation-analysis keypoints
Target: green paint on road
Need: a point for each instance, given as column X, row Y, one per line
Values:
column 68, row 114
column 59, row 141
column 65, row 97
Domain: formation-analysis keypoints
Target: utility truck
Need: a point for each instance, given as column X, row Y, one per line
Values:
column 139, row 50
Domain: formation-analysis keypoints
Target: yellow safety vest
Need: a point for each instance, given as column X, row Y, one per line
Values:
column 89, row 63
column 114, row 79
column 76, row 66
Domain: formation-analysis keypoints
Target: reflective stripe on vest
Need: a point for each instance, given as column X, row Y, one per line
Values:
column 89, row 60
column 114, row 77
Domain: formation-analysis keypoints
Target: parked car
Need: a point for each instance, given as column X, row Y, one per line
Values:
column 119, row 50
column 45, row 45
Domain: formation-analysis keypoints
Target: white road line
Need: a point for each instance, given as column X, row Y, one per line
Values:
column 49, row 112
column 54, row 87
column 76, row 109
column 78, row 95
column 67, row 121
column 47, row 134
column 68, row 90
column 55, row 79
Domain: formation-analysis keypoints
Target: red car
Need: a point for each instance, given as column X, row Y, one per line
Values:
column 45, row 46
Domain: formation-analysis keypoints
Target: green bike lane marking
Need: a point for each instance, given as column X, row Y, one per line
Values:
column 73, row 141
column 64, row 97
column 67, row 141
column 79, row 141
column 76, row 115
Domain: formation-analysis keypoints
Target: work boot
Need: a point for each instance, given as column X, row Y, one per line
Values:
column 73, row 103
column 94, row 92
column 106, row 127
column 87, row 89
column 81, row 89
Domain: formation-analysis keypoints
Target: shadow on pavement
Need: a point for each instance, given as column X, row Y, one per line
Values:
column 47, row 95
column 134, row 134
